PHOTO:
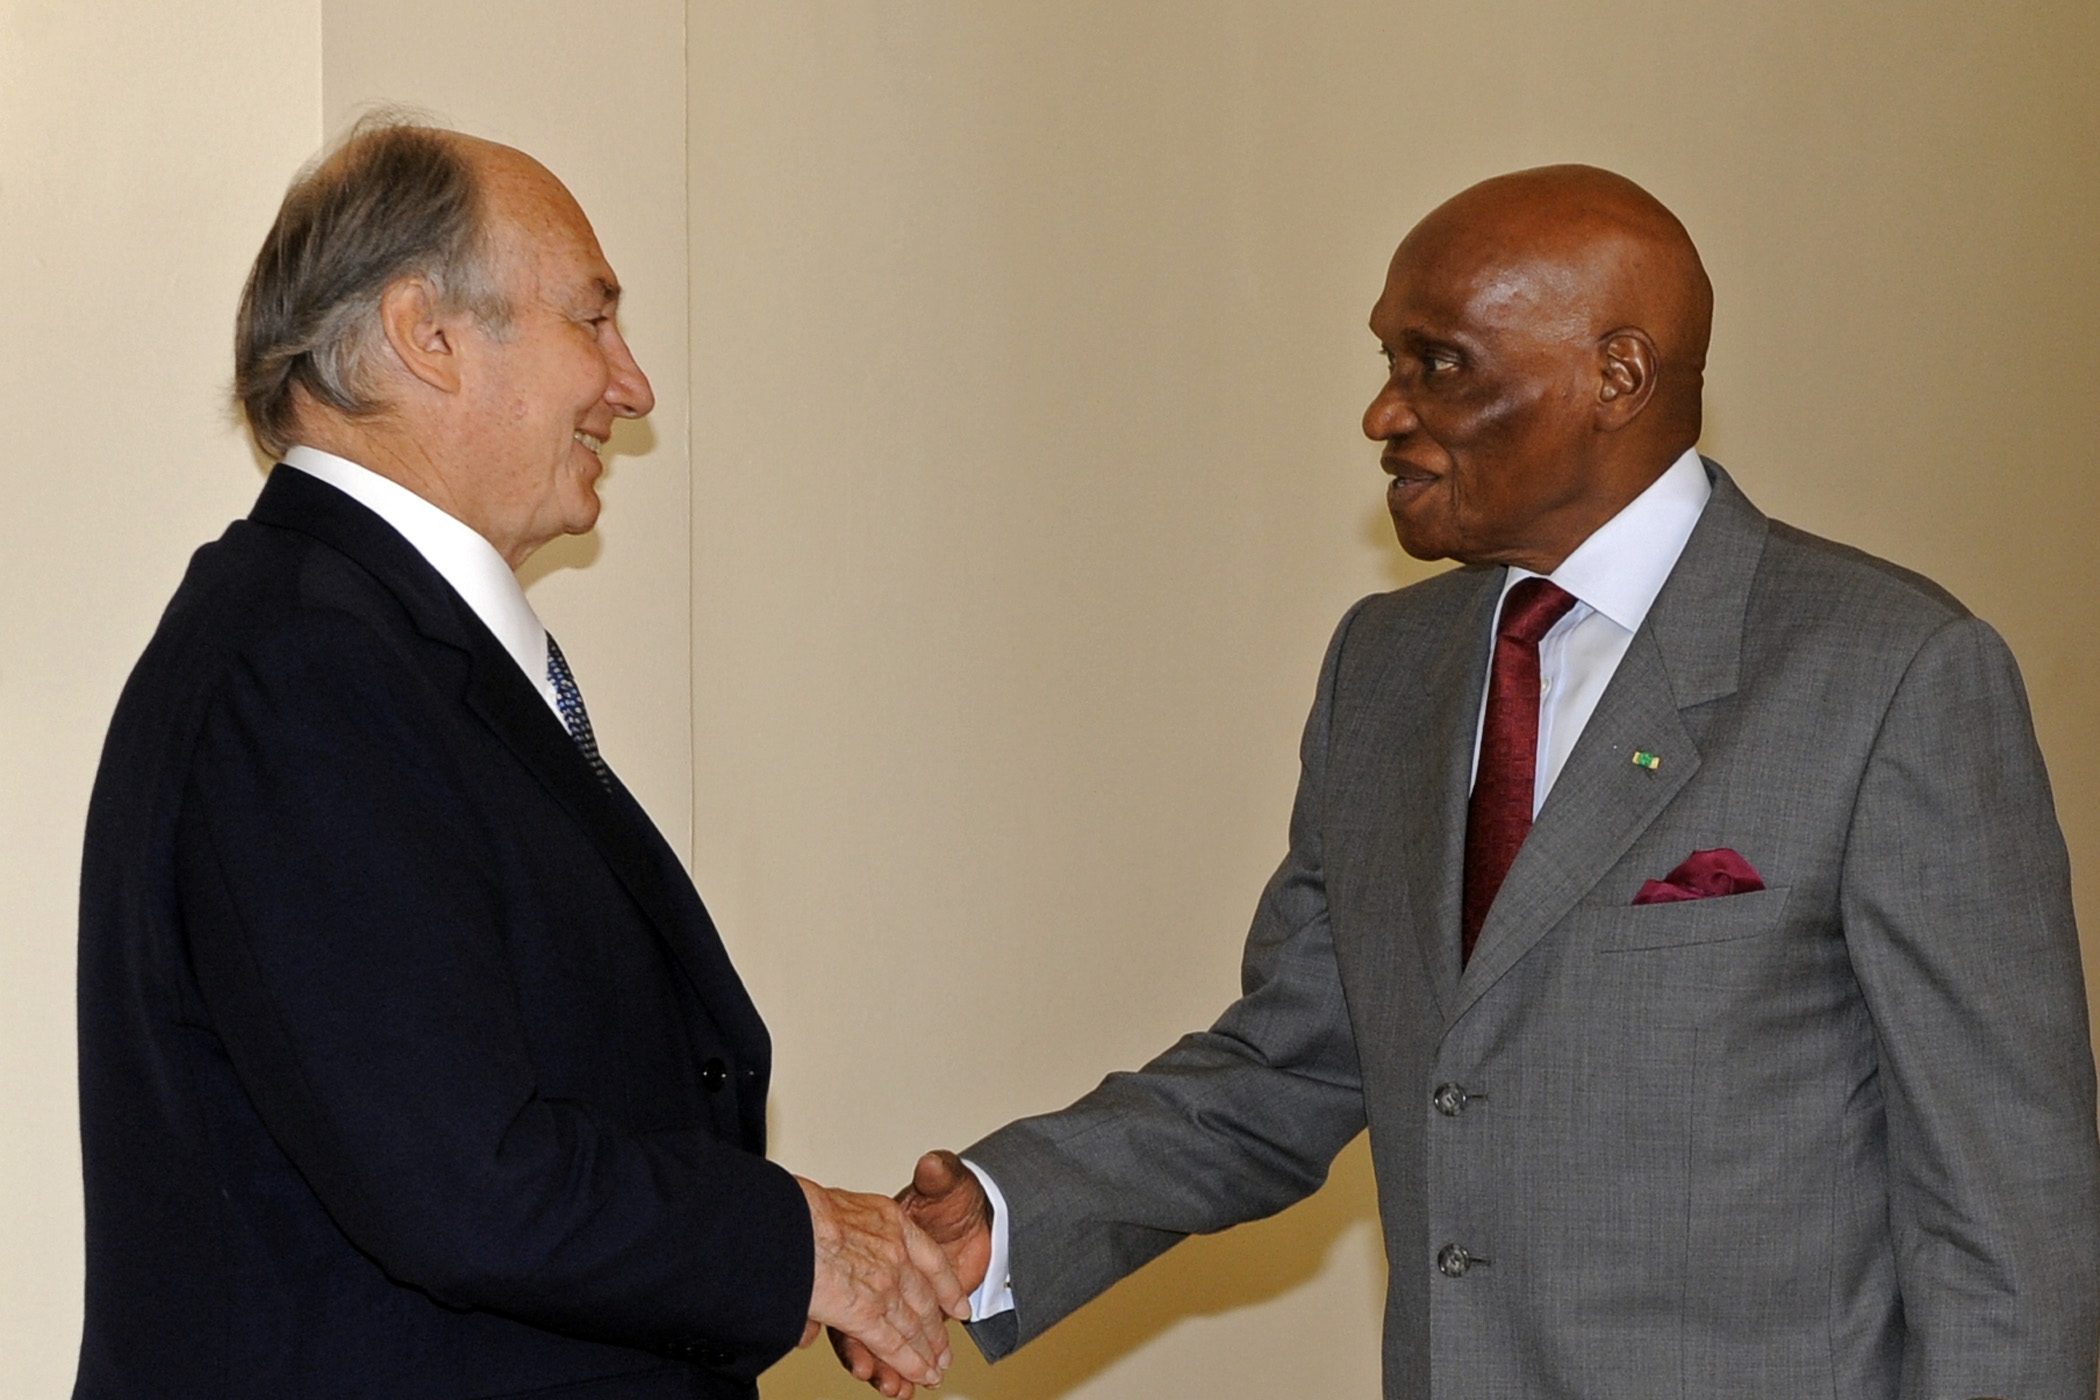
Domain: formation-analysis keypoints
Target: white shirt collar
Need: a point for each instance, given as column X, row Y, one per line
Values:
column 455, row 549
column 1624, row 563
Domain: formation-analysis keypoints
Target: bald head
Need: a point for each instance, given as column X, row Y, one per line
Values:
column 1548, row 334
column 1586, row 252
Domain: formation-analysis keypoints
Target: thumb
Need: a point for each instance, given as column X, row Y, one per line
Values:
column 940, row 1172
column 945, row 1199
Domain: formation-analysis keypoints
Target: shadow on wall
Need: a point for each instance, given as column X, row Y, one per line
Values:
column 1201, row 1277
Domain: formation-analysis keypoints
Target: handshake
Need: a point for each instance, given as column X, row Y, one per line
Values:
column 891, row 1273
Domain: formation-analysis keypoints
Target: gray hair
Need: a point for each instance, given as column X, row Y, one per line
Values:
column 394, row 200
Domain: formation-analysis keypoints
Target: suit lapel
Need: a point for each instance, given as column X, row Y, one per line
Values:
column 508, row 705
column 506, row 702
column 1430, row 850
column 1400, row 768
column 1599, row 804
column 499, row 693
column 1686, row 654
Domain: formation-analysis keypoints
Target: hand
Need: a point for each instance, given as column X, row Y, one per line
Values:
column 947, row 1202
column 882, row 1282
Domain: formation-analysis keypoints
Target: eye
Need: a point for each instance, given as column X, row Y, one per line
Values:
column 1439, row 362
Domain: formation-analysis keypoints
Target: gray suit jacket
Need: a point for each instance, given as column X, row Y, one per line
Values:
column 1834, row 1138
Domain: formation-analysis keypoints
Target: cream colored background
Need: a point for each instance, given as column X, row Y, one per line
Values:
column 958, row 607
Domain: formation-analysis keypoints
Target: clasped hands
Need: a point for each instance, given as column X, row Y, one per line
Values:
column 891, row 1273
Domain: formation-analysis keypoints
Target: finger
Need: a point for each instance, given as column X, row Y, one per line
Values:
column 922, row 1337
column 946, row 1200
column 906, row 1348
column 896, row 1387
column 946, row 1189
column 892, row 1384
column 860, row 1363
column 889, row 1382
column 933, row 1262
column 938, row 1173
column 911, row 1367
column 891, row 1306
column 925, row 1309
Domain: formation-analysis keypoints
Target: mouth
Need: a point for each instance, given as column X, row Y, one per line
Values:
column 1406, row 476
column 596, row 445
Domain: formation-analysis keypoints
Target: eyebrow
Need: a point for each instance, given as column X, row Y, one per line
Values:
column 608, row 291
column 1416, row 337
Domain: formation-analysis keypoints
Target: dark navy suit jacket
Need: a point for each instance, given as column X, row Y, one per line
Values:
column 410, row 1062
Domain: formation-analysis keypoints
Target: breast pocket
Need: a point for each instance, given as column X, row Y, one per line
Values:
column 1685, row 923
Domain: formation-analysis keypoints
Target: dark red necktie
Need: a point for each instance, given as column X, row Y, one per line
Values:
column 1500, row 814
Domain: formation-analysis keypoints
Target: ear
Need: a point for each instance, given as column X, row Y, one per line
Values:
column 423, row 338
column 1629, row 364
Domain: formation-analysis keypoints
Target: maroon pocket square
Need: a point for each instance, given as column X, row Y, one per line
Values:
column 1703, row 875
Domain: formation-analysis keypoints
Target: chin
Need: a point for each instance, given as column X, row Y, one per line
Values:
column 582, row 516
column 1418, row 546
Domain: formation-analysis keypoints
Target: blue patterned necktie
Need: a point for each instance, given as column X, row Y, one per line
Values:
column 573, row 715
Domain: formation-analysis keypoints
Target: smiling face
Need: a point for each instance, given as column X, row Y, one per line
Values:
column 1516, row 323
column 541, row 395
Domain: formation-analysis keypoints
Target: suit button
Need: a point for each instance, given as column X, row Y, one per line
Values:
column 713, row 1075
column 1452, row 1261
column 1450, row 1100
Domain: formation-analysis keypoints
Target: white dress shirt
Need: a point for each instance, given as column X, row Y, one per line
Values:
column 1614, row 576
column 455, row 549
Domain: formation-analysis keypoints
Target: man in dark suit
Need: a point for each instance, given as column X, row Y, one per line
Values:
column 410, row 1062
column 1677, row 898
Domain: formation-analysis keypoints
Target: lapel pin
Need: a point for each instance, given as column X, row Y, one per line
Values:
column 1650, row 761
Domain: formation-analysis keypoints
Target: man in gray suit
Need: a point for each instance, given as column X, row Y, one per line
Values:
column 1676, row 896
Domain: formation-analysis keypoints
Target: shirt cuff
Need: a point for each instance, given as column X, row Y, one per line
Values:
column 996, row 1294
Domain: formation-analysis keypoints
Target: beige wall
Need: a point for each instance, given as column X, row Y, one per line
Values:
column 962, row 629
column 597, row 93
column 143, row 148
column 1028, row 361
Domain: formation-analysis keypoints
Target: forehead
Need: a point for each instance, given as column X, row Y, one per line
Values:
column 1480, row 287
column 543, row 238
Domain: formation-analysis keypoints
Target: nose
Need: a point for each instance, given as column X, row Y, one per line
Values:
column 627, row 390
column 1389, row 414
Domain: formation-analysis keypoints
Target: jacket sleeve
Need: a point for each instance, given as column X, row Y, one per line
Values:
column 351, row 911
column 1956, row 902
column 1229, row 1125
